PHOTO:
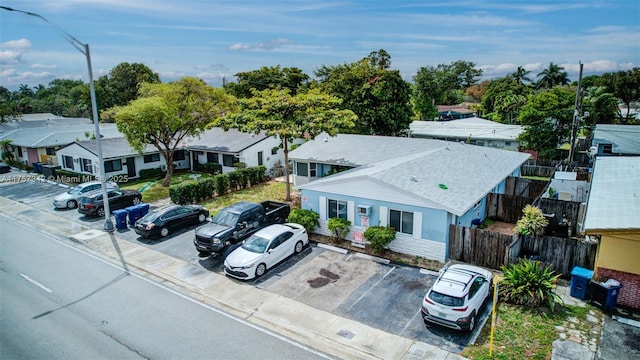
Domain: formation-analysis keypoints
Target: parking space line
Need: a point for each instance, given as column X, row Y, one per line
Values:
column 371, row 288
column 409, row 323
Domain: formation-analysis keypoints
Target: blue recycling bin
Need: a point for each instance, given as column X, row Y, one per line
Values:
column 604, row 295
column 134, row 214
column 121, row 219
column 580, row 279
column 144, row 209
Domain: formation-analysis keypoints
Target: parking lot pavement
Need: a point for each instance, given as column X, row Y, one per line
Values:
column 386, row 297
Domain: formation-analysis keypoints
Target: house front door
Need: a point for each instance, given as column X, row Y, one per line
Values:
column 131, row 167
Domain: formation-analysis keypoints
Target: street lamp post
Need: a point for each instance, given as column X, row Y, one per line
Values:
column 84, row 49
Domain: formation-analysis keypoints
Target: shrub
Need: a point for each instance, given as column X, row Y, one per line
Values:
column 306, row 218
column 151, row 173
column 210, row 168
column 532, row 222
column 530, row 284
column 222, row 184
column 234, row 180
column 339, row 227
column 379, row 237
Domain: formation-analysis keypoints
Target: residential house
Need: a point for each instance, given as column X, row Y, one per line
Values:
column 120, row 160
column 230, row 147
column 453, row 112
column 616, row 140
column 35, row 139
column 417, row 186
column 613, row 214
column 472, row 130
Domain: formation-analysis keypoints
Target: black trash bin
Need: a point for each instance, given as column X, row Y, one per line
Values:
column 580, row 278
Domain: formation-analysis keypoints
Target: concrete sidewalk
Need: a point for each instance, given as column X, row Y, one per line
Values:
column 334, row 335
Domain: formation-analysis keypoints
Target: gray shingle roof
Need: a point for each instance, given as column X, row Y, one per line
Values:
column 468, row 172
column 614, row 199
column 232, row 141
column 625, row 138
column 114, row 147
column 37, row 134
column 474, row 127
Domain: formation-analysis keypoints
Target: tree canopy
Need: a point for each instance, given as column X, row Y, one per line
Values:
column 378, row 96
column 552, row 76
column 267, row 78
column 121, row 85
column 165, row 114
column 289, row 117
column 624, row 85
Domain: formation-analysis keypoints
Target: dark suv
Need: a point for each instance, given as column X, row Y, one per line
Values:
column 92, row 203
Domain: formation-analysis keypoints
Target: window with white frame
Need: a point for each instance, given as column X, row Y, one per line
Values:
column 112, row 165
column 402, row 221
column 151, row 158
column 337, row 209
column 86, row 165
column 302, row 169
column 67, row 161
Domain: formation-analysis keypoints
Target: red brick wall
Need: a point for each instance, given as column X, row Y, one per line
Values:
column 630, row 293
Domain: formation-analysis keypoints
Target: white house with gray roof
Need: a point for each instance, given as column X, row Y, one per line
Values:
column 473, row 130
column 36, row 139
column 417, row 186
column 609, row 139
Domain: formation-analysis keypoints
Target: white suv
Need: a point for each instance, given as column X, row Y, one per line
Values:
column 455, row 299
column 70, row 198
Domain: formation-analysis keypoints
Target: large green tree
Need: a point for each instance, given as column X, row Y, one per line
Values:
column 547, row 118
column 624, row 85
column 122, row 83
column 272, row 77
column 503, row 99
column 442, row 85
column 289, row 117
column 377, row 95
column 165, row 114
column 552, row 76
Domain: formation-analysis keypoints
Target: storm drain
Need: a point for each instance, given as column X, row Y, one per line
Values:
column 346, row 333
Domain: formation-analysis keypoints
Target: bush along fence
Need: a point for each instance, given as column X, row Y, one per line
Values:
column 190, row 192
column 493, row 250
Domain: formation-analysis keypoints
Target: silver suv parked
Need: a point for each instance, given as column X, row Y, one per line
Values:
column 69, row 199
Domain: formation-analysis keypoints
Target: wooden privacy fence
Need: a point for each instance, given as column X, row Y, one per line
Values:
column 493, row 250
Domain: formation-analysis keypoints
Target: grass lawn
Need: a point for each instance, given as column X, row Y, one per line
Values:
column 152, row 190
column 523, row 333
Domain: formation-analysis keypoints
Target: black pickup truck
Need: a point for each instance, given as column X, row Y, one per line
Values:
column 236, row 222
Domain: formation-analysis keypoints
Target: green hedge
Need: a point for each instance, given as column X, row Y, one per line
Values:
column 190, row 192
column 151, row 173
column 209, row 168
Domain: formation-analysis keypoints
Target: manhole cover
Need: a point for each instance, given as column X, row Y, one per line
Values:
column 346, row 333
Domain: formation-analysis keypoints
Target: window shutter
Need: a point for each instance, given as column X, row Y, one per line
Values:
column 417, row 225
column 323, row 207
column 351, row 211
column 383, row 216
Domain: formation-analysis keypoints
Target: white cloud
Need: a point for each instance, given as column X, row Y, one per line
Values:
column 9, row 57
column 266, row 46
column 21, row 44
column 42, row 66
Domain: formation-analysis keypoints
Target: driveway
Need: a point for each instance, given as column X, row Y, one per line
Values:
column 387, row 297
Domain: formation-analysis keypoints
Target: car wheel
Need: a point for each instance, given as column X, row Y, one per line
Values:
column 164, row 232
column 261, row 269
column 71, row 204
column 201, row 218
column 136, row 200
column 100, row 212
column 472, row 322
column 298, row 247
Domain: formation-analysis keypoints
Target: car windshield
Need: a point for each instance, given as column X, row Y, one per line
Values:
column 256, row 244
column 446, row 300
column 151, row 216
column 75, row 190
column 226, row 218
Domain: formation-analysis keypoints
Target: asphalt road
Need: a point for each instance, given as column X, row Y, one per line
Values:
column 383, row 296
column 60, row 302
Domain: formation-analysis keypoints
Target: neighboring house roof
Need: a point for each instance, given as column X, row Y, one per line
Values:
column 458, row 109
column 219, row 140
column 113, row 148
column 624, row 138
column 473, row 127
column 34, row 117
column 443, row 175
column 53, row 135
column 354, row 150
column 614, row 198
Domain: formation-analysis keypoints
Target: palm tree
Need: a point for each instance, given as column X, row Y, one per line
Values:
column 6, row 150
column 552, row 76
column 521, row 75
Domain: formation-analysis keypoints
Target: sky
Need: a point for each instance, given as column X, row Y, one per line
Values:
column 213, row 40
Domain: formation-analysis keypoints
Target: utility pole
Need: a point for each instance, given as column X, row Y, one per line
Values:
column 577, row 113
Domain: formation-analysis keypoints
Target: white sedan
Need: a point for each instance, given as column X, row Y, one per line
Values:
column 264, row 249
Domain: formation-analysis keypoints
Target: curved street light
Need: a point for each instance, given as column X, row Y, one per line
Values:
column 84, row 49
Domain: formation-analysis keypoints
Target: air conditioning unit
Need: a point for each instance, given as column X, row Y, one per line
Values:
column 76, row 160
column 364, row 210
column 177, row 164
column 163, row 167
